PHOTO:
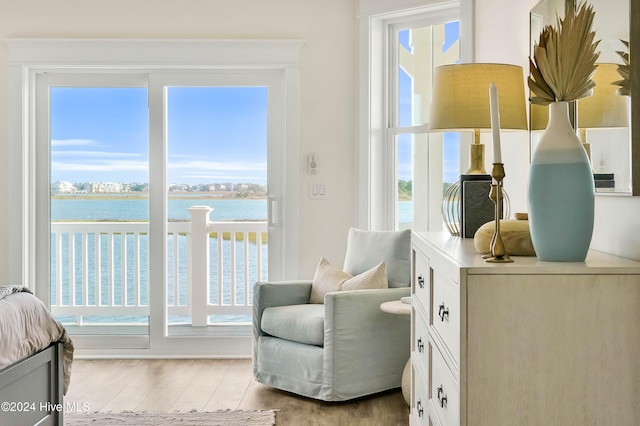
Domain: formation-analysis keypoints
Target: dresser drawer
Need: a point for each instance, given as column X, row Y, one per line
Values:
column 446, row 313
column 421, row 279
column 419, row 400
column 420, row 342
column 445, row 397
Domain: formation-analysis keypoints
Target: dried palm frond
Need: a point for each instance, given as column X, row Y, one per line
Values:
column 564, row 59
column 623, row 70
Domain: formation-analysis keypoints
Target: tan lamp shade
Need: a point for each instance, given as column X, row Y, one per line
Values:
column 604, row 108
column 460, row 99
column 539, row 116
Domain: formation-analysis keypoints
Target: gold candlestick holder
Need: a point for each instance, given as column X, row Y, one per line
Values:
column 498, row 253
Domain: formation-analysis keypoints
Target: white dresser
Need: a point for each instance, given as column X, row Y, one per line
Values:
column 523, row 343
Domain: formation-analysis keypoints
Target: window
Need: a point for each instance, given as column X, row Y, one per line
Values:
column 415, row 51
column 404, row 168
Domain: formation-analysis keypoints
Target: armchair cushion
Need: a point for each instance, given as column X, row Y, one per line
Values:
column 298, row 323
column 328, row 278
column 366, row 248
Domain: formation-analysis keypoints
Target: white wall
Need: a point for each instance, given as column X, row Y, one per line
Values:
column 502, row 35
column 328, row 86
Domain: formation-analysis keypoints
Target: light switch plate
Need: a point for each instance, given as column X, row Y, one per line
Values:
column 318, row 190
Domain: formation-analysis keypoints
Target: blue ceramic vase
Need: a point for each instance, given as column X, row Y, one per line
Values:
column 561, row 192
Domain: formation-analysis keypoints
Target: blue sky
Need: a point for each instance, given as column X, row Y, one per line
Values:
column 99, row 134
column 215, row 134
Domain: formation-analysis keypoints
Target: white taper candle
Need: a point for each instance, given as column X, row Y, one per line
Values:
column 495, row 122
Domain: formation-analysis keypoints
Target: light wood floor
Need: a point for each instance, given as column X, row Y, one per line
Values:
column 210, row 385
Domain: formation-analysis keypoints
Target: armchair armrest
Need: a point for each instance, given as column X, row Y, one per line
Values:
column 360, row 337
column 280, row 293
column 276, row 293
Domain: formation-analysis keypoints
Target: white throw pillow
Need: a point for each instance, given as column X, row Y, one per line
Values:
column 328, row 278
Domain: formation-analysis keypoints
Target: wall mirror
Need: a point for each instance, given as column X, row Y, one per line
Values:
column 607, row 121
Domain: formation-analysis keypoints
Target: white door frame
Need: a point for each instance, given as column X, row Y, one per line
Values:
column 27, row 57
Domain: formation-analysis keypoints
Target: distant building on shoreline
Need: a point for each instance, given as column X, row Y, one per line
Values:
column 65, row 187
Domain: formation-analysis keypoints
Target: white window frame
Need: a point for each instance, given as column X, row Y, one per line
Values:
column 377, row 188
column 28, row 57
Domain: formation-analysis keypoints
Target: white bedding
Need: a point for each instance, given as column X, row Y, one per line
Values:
column 26, row 327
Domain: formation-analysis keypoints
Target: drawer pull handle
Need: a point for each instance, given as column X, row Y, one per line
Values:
column 442, row 397
column 420, row 345
column 420, row 281
column 419, row 408
column 443, row 312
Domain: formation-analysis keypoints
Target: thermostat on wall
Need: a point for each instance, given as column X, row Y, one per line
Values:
column 312, row 164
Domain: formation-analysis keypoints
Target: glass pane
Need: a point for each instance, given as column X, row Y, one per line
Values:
column 217, row 157
column 99, row 208
column 450, row 159
column 404, row 205
column 217, row 150
column 425, row 164
column 420, row 50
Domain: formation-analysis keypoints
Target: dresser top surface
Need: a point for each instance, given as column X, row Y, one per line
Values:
column 462, row 252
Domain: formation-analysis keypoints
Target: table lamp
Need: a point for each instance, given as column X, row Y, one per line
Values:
column 604, row 109
column 460, row 102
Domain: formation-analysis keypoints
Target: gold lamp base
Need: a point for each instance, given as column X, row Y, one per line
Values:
column 476, row 156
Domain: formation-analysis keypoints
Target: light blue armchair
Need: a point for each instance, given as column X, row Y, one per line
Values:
column 345, row 348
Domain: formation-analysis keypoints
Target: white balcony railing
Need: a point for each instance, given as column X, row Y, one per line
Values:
column 100, row 270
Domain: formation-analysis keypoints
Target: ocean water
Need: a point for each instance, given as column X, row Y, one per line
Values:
column 137, row 209
column 130, row 208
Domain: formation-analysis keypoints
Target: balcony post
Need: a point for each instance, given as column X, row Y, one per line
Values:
column 199, row 263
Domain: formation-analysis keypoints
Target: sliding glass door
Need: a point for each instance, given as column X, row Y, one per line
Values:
column 140, row 175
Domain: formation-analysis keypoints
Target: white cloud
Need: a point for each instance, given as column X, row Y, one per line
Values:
column 216, row 171
column 101, row 166
column 114, row 166
column 207, row 166
column 94, row 161
column 222, row 178
column 74, row 142
column 203, row 169
column 102, row 154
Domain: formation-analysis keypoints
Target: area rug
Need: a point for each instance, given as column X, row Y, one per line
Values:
column 214, row 418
